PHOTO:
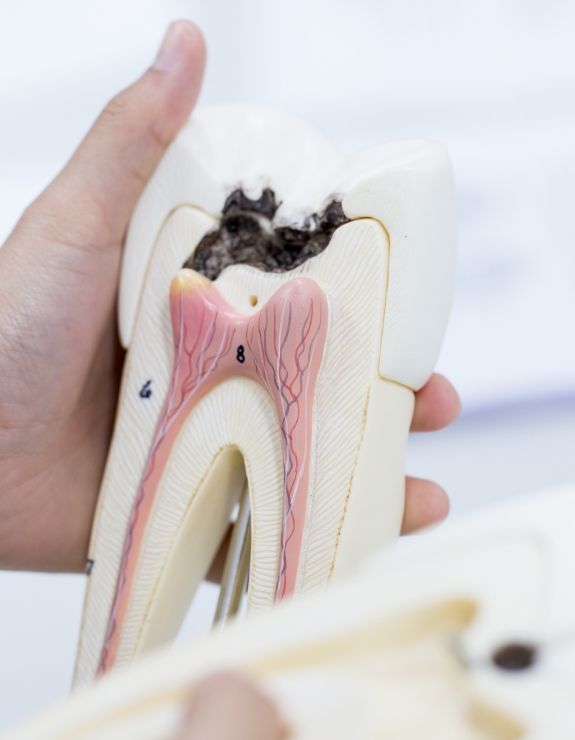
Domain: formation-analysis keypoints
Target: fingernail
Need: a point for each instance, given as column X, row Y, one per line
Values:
column 169, row 54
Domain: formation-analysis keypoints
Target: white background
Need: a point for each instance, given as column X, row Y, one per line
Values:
column 495, row 81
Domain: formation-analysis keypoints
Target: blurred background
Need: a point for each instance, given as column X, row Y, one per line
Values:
column 494, row 81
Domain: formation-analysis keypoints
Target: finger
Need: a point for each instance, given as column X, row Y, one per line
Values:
column 425, row 503
column 229, row 706
column 107, row 173
column 436, row 405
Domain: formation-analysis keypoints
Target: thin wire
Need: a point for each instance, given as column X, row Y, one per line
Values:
column 236, row 568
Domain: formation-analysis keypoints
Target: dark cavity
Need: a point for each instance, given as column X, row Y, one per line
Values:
column 246, row 235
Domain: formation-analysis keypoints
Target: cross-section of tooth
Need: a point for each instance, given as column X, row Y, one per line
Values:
column 273, row 363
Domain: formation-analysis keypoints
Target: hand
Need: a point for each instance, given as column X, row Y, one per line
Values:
column 436, row 406
column 60, row 361
column 229, row 706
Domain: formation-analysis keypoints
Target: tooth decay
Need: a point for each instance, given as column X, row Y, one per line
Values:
column 281, row 348
column 247, row 235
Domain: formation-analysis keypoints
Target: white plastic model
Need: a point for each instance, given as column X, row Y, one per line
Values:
column 301, row 380
column 468, row 635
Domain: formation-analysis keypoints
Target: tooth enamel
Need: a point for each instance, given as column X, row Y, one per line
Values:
column 157, row 528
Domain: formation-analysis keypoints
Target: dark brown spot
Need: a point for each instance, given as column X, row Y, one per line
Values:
column 247, row 236
column 515, row 656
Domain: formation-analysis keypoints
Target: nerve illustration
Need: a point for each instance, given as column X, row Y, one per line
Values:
column 280, row 304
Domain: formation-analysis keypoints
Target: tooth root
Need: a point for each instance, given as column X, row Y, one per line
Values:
column 281, row 348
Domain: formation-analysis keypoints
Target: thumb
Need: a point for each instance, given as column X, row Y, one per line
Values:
column 91, row 200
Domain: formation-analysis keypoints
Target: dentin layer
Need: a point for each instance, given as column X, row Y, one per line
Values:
column 281, row 348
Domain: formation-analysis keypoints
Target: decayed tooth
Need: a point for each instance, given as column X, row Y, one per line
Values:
column 273, row 375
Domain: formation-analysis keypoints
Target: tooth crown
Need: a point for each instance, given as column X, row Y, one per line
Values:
column 407, row 186
column 219, row 147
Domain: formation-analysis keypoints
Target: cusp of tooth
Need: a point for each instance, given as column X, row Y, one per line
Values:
column 408, row 187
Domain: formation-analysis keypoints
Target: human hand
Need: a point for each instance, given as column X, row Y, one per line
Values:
column 60, row 360
column 437, row 405
column 227, row 705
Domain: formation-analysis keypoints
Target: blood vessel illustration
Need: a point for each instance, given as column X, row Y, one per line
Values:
column 281, row 347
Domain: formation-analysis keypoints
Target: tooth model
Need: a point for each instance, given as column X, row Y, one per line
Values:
column 281, row 303
column 469, row 635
